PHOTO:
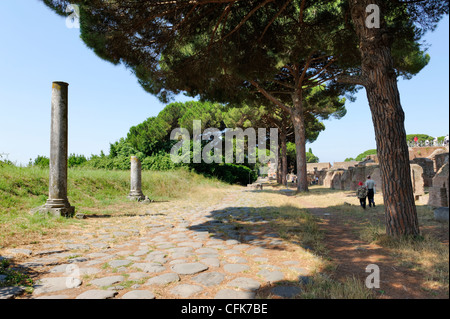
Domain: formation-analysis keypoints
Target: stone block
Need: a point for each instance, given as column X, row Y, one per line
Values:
column 441, row 214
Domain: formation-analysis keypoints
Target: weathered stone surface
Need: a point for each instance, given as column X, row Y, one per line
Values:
column 149, row 267
column 206, row 251
column 231, row 252
column 439, row 193
column 49, row 285
column 17, row 251
column 60, row 268
column 119, row 263
column 10, row 292
column 136, row 180
column 88, row 271
column 255, row 251
column 245, row 284
column 237, row 260
column 163, row 279
column 235, row 268
column 211, row 262
column 77, row 247
column 185, row 291
column 209, row 279
column 107, row 281
column 98, row 294
column 417, row 178
column 271, row 276
column 139, row 294
column 234, row 294
column 77, row 260
column 189, row 268
column 138, row 275
column 441, row 214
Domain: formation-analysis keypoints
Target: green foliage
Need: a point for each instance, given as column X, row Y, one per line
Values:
column 14, row 277
column 311, row 158
column 350, row 159
column 229, row 173
column 420, row 137
column 41, row 161
column 362, row 156
column 76, row 160
column 4, row 161
column 159, row 162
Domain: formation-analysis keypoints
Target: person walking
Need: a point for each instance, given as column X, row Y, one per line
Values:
column 361, row 193
column 370, row 184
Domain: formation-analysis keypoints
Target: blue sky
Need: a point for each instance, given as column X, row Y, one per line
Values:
column 105, row 100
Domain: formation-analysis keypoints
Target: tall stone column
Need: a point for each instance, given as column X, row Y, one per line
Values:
column 57, row 203
column 136, row 180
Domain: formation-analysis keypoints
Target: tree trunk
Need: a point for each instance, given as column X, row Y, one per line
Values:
column 279, row 171
column 388, row 119
column 300, row 141
column 283, row 140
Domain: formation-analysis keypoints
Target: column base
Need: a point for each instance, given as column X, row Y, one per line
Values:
column 56, row 207
column 55, row 211
column 137, row 197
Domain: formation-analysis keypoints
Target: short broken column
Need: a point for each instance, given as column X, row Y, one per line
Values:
column 57, row 203
column 136, row 180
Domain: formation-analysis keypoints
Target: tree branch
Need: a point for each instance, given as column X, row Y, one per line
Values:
column 351, row 79
column 270, row 97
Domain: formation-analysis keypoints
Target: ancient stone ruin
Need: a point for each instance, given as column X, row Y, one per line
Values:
column 57, row 203
column 136, row 181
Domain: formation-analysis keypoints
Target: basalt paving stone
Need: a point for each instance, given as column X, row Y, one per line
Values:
column 189, row 268
column 185, row 290
column 206, row 251
column 232, row 252
column 49, row 285
column 211, row 262
column 119, row 263
column 138, row 275
column 271, row 276
column 163, row 279
column 234, row 294
column 149, row 267
column 255, row 251
column 209, row 279
column 107, row 281
column 244, row 284
column 139, row 294
column 235, row 268
column 237, row 260
column 98, row 294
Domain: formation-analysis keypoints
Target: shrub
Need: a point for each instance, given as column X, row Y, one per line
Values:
column 41, row 162
column 76, row 160
column 229, row 173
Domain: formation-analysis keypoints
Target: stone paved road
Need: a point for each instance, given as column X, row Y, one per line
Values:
column 184, row 251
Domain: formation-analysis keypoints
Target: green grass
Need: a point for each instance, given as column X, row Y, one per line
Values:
column 90, row 191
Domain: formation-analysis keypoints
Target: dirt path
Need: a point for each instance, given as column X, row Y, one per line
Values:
column 352, row 256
